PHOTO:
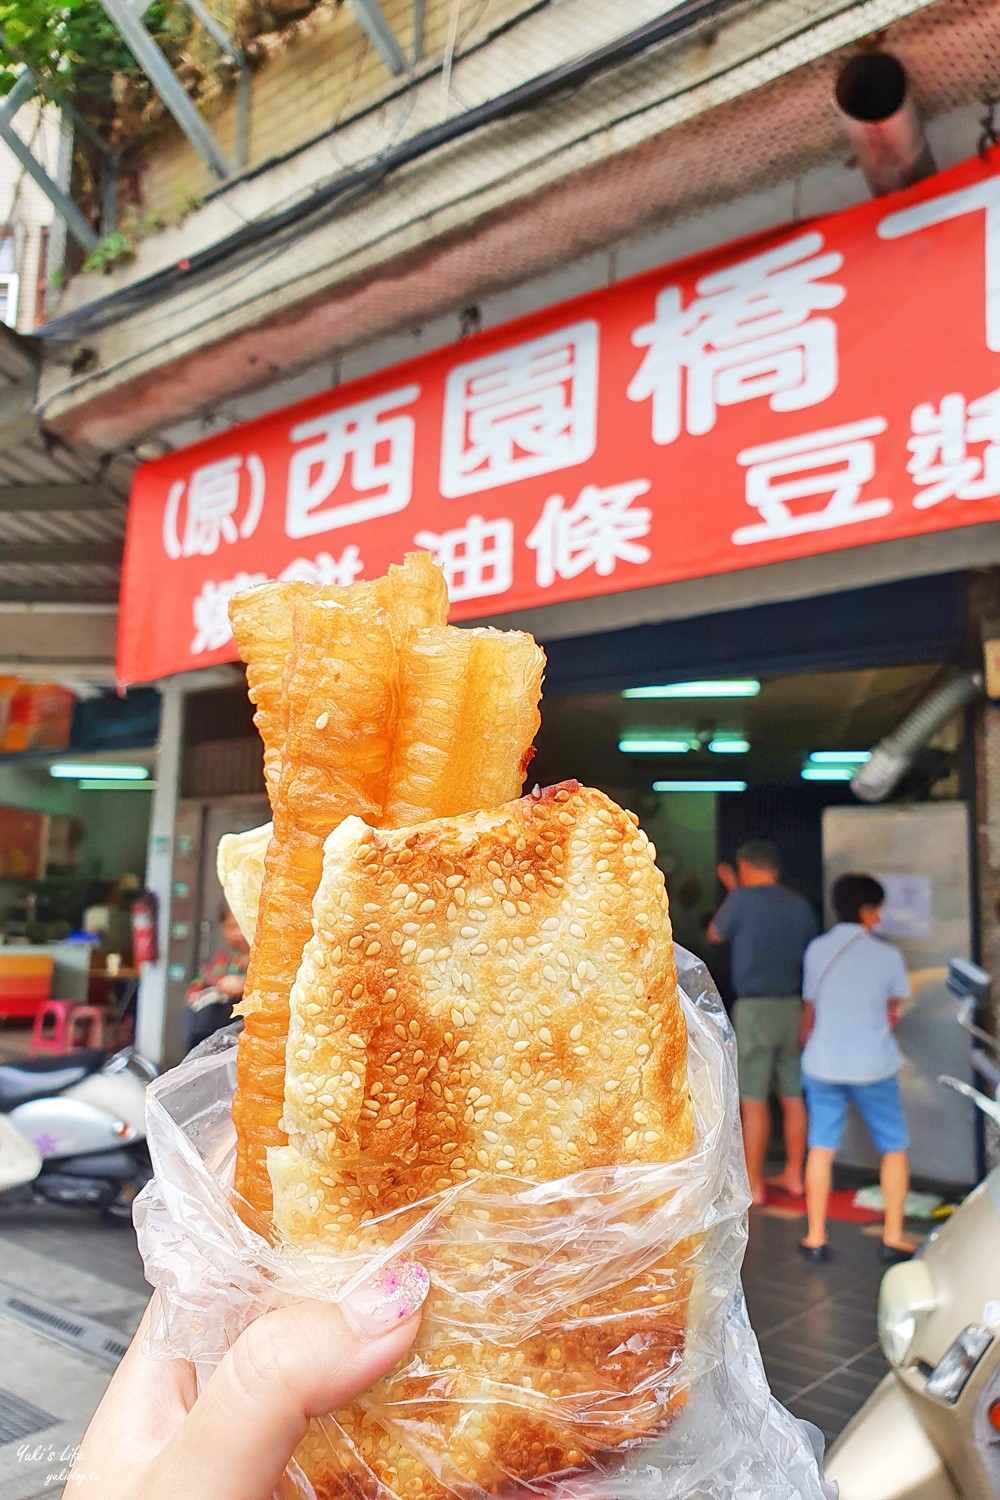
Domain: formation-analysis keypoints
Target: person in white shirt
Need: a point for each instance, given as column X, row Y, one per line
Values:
column 854, row 988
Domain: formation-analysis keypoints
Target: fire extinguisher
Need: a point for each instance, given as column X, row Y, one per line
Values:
column 145, row 941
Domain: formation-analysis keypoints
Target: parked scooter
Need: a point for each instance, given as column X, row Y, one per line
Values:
column 72, row 1130
column 931, row 1431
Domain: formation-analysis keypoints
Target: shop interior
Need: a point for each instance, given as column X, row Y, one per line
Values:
column 73, row 828
column 75, row 802
column 708, row 763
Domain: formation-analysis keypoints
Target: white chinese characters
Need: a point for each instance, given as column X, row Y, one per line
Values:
column 751, row 331
column 211, row 611
column 955, row 449
column 784, row 479
column 225, row 500
column 983, row 196
column 477, row 559
column 528, row 410
column 602, row 528
column 372, row 441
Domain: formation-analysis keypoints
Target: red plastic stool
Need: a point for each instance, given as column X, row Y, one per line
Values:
column 64, row 1034
column 56, row 1037
column 92, row 1021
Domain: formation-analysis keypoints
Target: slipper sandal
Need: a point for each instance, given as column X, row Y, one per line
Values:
column 892, row 1255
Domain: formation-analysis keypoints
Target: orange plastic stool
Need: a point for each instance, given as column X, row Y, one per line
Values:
column 51, row 1029
column 92, row 1021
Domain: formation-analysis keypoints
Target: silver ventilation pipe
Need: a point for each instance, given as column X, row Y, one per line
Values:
column 893, row 756
column 881, row 122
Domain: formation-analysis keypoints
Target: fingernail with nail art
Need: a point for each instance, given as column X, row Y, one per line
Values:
column 391, row 1297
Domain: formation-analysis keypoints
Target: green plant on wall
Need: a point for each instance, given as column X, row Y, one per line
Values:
column 75, row 49
column 113, row 250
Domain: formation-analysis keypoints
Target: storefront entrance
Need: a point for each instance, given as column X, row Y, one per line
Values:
column 751, row 724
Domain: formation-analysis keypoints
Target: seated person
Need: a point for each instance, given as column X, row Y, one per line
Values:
column 219, row 984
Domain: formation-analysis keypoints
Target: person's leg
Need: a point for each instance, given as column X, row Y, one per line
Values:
column 827, row 1104
column 881, row 1107
column 895, row 1186
column 819, row 1177
column 756, row 1118
column 795, row 1122
column 789, row 1079
column 753, row 1056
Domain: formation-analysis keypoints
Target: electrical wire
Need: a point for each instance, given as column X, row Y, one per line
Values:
column 345, row 186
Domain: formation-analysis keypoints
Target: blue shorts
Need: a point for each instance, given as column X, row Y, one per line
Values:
column 879, row 1105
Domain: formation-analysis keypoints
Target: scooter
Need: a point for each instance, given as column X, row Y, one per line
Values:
column 72, row 1130
column 931, row 1430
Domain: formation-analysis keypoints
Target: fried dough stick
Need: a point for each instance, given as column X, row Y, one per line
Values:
column 468, row 716
column 460, row 710
column 262, row 624
column 335, row 756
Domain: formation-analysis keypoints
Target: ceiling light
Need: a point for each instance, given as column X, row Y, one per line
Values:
column 653, row 747
column 827, row 773
column 73, row 770
column 735, row 687
column 699, row 786
column 118, row 786
column 840, row 757
column 729, row 747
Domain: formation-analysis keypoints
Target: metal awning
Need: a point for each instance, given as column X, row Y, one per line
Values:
column 62, row 528
column 62, row 511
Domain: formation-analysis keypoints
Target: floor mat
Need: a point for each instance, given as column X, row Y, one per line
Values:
column 842, row 1208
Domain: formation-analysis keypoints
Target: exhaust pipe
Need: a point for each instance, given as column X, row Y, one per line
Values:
column 881, row 122
column 893, row 756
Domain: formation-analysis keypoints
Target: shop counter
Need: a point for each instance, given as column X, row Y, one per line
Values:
column 32, row 973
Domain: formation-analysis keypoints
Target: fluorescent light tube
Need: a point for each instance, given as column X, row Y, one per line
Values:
column 77, row 770
column 736, row 687
column 118, row 786
column 640, row 746
column 699, row 786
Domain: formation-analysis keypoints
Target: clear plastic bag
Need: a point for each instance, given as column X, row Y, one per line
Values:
column 676, row 1232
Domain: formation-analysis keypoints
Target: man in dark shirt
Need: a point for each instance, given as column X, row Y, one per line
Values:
column 767, row 927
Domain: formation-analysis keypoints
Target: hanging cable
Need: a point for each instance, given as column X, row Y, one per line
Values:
column 325, row 202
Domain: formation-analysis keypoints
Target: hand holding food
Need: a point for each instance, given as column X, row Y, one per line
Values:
column 154, row 1437
column 465, row 1048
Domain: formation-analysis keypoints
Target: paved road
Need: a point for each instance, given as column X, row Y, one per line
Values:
column 68, row 1267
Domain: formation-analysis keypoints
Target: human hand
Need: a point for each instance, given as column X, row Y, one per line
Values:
column 728, row 876
column 231, row 984
column 153, row 1437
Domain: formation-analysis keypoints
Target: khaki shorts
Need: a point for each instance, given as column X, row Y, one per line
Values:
column 767, row 1047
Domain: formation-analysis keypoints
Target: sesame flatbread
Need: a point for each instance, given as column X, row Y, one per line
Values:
column 491, row 996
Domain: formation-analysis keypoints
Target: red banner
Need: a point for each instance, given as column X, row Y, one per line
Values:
column 816, row 388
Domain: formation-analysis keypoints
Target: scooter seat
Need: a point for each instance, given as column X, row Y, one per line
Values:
column 36, row 1077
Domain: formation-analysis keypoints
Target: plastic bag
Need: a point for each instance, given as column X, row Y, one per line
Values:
column 678, row 1231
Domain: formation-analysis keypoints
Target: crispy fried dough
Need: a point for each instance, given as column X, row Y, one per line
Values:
column 467, row 717
column 363, row 724
column 491, row 994
column 414, row 594
column 239, row 865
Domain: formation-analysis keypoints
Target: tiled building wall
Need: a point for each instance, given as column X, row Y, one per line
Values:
column 309, row 81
